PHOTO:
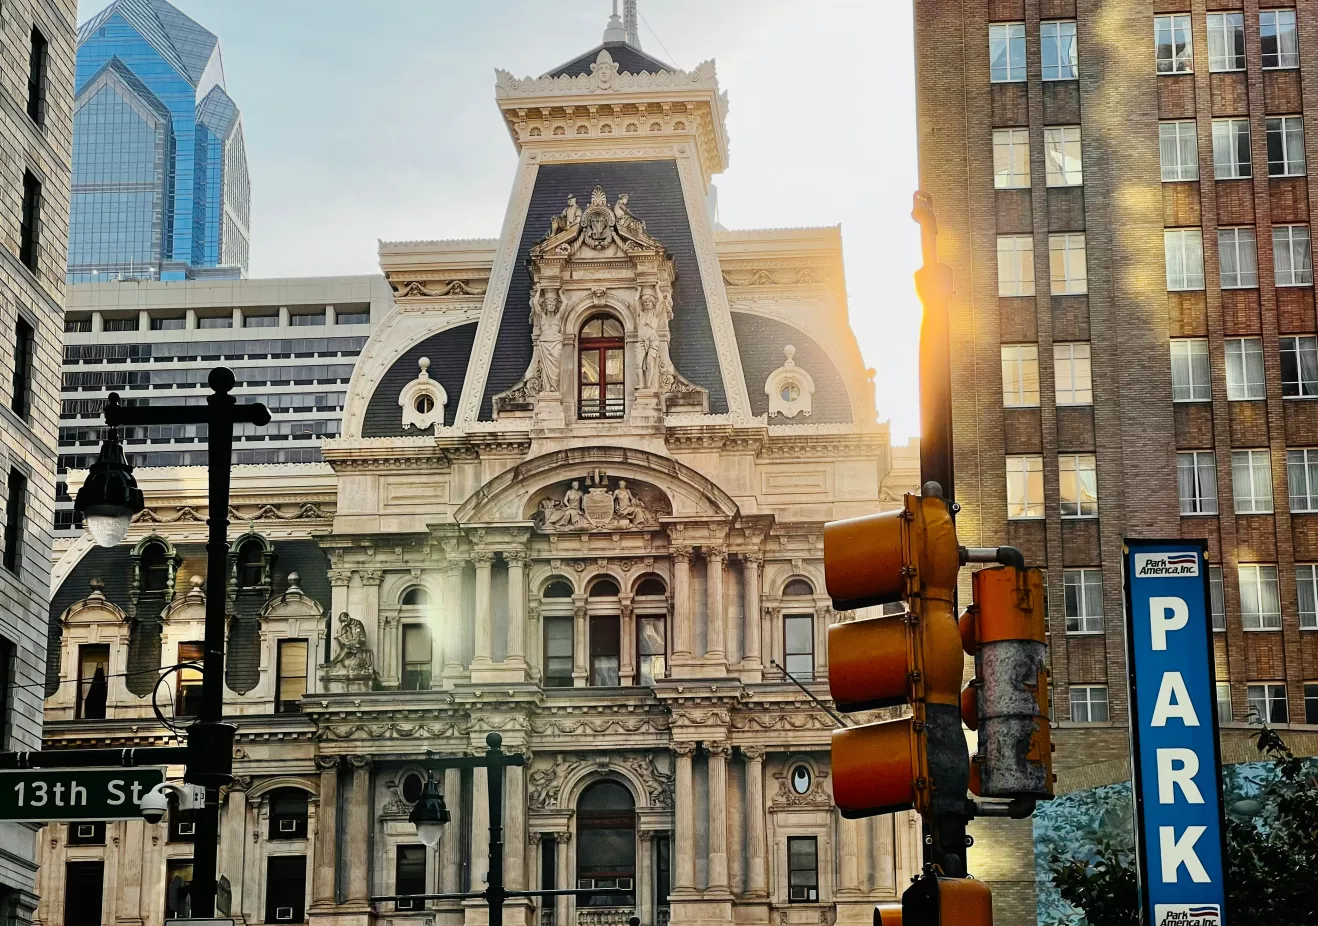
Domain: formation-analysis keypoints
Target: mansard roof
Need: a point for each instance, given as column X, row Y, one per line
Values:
column 629, row 58
column 449, row 353
column 760, row 341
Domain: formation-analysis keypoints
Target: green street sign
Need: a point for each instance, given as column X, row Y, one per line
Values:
column 43, row 795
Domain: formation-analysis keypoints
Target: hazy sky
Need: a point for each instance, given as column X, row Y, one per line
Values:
column 368, row 121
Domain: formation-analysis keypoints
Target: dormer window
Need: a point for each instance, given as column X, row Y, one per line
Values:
column 155, row 568
column 250, row 565
column 600, row 374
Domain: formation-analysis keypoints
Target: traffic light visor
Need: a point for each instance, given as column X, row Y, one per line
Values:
column 875, row 768
column 864, row 559
column 869, row 662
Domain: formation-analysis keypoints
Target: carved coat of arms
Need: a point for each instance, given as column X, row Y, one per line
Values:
column 604, row 505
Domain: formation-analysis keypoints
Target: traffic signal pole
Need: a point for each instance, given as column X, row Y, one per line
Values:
column 933, row 284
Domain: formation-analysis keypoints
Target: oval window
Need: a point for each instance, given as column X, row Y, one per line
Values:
column 411, row 787
column 800, row 779
column 424, row 403
column 791, row 392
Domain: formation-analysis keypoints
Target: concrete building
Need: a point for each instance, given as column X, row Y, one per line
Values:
column 577, row 498
column 35, row 128
column 1123, row 197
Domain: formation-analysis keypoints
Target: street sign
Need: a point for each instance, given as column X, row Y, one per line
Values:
column 43, row 795
column 1181, row 835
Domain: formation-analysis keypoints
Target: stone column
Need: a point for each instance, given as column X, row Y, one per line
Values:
column 684, row 823
column 358, row 837
column 370, row 607
column 480, row 827
column 327, row 835
column 824, row 616
column 847, row 849
column 715, row 560
column 627, row 644
column 535, row 640
column 232, row 830
column 453, row 618
column 774, row 619
column 718, row 815
column 566, row 879
column 580, row 669
column 516, row 608
column 450, row 852
column 514, row 829
column 484, row 626
column 681, row 603
column 339, row 579
column 753, row 660
column 757, row 878
column 645, row 878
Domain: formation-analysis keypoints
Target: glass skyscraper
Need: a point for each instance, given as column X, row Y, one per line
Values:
column 160, row 184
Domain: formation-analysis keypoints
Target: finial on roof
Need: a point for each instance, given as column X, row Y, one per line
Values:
column 98, row 588
column 614, row 31
column 633, row 35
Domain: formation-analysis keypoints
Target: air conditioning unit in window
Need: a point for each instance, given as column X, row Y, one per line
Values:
column 802, row 893
column 405, row 905
column 624, row 883
column 283, row 913
column 187, row 829
column 585, row 884
column 288, row 826
column 86, row 830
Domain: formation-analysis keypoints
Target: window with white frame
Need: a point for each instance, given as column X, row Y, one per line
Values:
column 1190, row 381
column 1196, row 481
column 1089, row 704
column 1223, row 702
column 1020, row 375
column 1024, row 487
column 1244, row 369
column 1011, row 159
column 1058, row 50
column 1285, row 146
column 1217, row 597
column 1171, row 38
column 1232, row 158
column 1292, row 258
column 1078, row 485
column 1260, row 601
column 1071, row 370
column 1279, row 39
column 1237, row 252
column 1267, row 702
column 1184, row 249
column 1299, row 366
column 1083, row 593
column 1306, row 584
column 1061, row 155
column 1302, row 479
column 1251, row 481
column 1015, row 265
column 1178, row 149
column 1066, row 264
column 1006, row 52
column 1226, row 41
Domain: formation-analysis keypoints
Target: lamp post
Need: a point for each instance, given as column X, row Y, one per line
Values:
column 108, row 500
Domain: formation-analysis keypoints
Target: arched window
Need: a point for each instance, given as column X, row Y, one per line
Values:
column 154, row 565
column 605, row 634
column 251, row 564
column 415, row 598
column 651, row 630
column 798, row 587
column 601, row 386
column 558, row 589
column 799, row 631
column 651, row 585
column 604, row 588
column 288, row 814
column 556, row 612
column 606, row 844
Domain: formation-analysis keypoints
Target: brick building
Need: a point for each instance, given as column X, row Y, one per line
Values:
column 1123, row 197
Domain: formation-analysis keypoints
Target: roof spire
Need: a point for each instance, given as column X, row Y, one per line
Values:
column 614, row 32
column 629, row 23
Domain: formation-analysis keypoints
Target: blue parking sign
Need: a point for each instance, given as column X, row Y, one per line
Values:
column 1173, row 733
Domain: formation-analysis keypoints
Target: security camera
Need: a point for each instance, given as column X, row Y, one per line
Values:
column 155, row 803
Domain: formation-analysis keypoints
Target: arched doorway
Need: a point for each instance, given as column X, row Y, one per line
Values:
column 606, row 844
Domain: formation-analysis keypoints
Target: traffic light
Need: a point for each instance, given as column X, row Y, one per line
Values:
column 921, row 761
column 1007, row 701
column 933, row 900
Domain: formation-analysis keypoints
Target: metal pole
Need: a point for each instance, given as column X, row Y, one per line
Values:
column 495, row 771
column 933, row 283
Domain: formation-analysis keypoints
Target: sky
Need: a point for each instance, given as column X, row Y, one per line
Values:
column 377, row 121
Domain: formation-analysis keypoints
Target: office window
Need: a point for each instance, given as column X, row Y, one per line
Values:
column 605, row 651
column 1171, row 38
column 29, row 232
column 189, row 680
column 20, row 392
column 1285, row 146
column 288, row 814
column 1217, row 597
column 87, row 834
column 1196, row 479
column 215, row 321
column 15, row 521
column 1260, row 602
column 1302, row 478
column 291, row 683
column 799, row 645
column 1089, row 704
column 417, row 655
column 1232, row 159
column 84, row 887
column 1024, row 487
column 1306, row 581
column 558, row 651
column 410, row 876
column 1244, row 369
column 1190, row 370
column 1279, row 39
column 6, row 694
column 651, row 648
column 1015, row 265
column 352, row 318
column 1078, row 485
column 1072, row 373
column 260, row 321
column 285, row 888
column 93, row 681
column 1006, row 52
column 1061, row 155
column 38, row 56
column 1083, row 600
column 1267, row 703
column 1238, row 256
column 1292, row 259
column 1066, row 264
column 1058, row 48
column 1251, row 481
column 306, row 319
column 1226, row 41
column 1310, row 702
column 1011, row 159
column 159, row 323
column 1299, row 366
column 802, row 869
column 1184, row 249
column 1223, row 702
column 1020, row 375
column 1178, row 148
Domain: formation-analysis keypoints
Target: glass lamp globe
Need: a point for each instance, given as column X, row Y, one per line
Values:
column 107, row 530
column 429, row 813
column 110, row 496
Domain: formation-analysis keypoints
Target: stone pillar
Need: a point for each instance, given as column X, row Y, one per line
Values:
column 847, row 849
column 453, row 618
column 753, row 659
column 339, row 579
column 232, row 830
column 645, row 878
column 535, row 640
column 484, row 626
column 566, row 879
column 718, row 816
column 327, row 835
column 370, row 613
column 580, row 670
column 516, row 609
column 715, row 649
column 450, row 852
column 757, row 878
column 627, row 645
column 684, row 829
column 480, row 827
column 358, row 838
column 824, row 616
column 514, row 830
column 681, row 603
column 774, row 620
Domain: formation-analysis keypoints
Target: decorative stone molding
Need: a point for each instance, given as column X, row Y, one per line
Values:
column 752, row 753
column 790, row 389
column 718, row 748
column 600, row 507
column 684, row 748
column 422, row 400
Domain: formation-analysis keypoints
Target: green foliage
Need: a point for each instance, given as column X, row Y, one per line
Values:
column 1103, row 884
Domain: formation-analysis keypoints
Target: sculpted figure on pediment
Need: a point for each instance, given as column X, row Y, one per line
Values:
column 602, row 506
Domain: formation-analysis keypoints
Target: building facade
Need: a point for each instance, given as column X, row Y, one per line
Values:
column 1123, row 197
column 35, row 138
column 578, row 498
column 160, row 183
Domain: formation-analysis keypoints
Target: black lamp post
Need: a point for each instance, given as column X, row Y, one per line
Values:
column 429, row 815
column 108, row 501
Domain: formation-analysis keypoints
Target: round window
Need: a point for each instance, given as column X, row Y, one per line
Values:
column 791, row 392
column 424, row 403
column 800, row 779
column 411, row 787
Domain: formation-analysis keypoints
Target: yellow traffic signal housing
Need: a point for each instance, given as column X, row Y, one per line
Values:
column 938, row 901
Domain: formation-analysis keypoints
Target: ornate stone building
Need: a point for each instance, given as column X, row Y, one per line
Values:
column 578, row 499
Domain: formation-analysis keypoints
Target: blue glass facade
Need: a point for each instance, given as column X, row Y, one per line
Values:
column 160, row 183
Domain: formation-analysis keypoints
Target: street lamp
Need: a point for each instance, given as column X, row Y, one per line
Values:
column 110, row 496
column 429, row 814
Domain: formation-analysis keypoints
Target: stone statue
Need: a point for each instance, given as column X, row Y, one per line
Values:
column 623, row 216
column 651, row 358
column 570, row 216
column 572, row 497
column 627, row 507
column 549, row 341
column 353, row 666
column 603, row 509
